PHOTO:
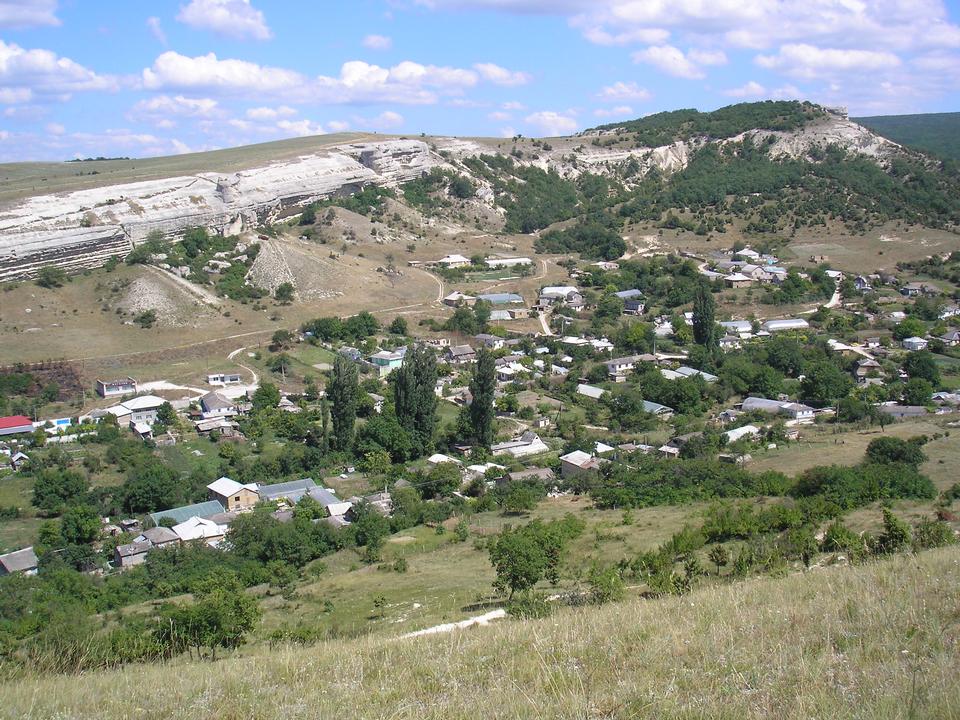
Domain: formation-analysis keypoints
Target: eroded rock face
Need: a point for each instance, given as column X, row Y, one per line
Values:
column 83, row 228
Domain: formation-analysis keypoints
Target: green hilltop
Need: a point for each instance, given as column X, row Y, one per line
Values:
column 935, row 133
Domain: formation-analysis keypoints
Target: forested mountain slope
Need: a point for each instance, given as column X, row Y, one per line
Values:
column 935, row 133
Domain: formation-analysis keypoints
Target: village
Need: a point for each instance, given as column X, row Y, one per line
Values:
column 566, row 404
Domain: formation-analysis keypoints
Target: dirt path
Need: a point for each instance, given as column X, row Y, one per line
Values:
column 255, row 382
column 545, row 325
column 480, row 620
column 193, row 290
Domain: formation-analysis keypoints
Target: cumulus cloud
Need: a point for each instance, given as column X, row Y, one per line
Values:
column 18, row 14
column 163, row 110
column 300, row 128
column 810, row 62
column 358, row 82
column 751, row 89
column 673, row 61
column 42, row 74
column 619, row 111
column 501, row 76
column 552, row 124
column 268, row 113
column 236, row 19
column 377, row 42
column 499, row 116
column 513, row 105
column 387, row 120
column 623, row 91
column 338, row 125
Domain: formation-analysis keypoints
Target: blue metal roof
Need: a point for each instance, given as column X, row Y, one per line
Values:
column 292, row 490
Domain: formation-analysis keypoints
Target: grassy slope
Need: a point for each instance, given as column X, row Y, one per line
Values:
column 24, row 179
column 936, row 133
column 877, row 641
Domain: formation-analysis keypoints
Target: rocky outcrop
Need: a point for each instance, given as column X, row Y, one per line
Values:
column 84, row 228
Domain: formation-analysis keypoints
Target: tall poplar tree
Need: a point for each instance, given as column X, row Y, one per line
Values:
column 482, row 386
column 342, row 394
column 414, row 400
column 704, row 317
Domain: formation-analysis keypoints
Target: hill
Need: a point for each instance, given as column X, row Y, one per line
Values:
column 876, row 641
column 935, row 133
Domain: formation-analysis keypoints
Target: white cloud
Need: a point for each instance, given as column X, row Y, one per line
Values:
column 499, row 116
column 513, row 105
column 508, row 132
column 810, row 62
column 377, row 42
column 15, row 96
column 552, row 124
column 161, row 109
column 179, row 147
column 619, row 111
column 236, row 19
column 55, row 128
column 358, row 82
column 623, row 91
column 670, row 60
column 501, row 76
column 643, row 36
column 338, row 125
column 156, row 29
column 42, row 74
column 387, row 120
column 751, row 89
column 28, row 13
column 300, row 128
column 268, row 113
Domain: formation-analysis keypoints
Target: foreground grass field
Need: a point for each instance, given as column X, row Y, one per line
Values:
column 876, row 641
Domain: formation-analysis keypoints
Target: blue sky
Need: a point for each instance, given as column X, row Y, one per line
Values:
column 120, row 77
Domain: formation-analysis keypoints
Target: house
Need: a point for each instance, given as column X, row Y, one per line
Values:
column 914, row 344
column 590, row 391
column 439, row 458
column 951, row 338
column 657, row 409
column 289, row 492
column 737, row 280
column 15, row 425
column 795, row 411
column 213, row 405
column 494, row 342
column 140, row 409
column 498, row 262
column 949, row 311
column 916, row 289
column 577, row 463
column 232, row 495
column 730, row 342
column 566, row 294
column 158, row 537
column 197, row 528
column 224, row 378
column 747, row 431
column 457, row 298
column 460, row 354
column 684, row 372
column 527, row 444
column 141, row 430
column 454, row 261
column 382, row 502
column 185, row 512
column 633, row 303
column 111, row 388
column 19, row 561
column 386, row 361
column 862, row 284
column 350, row 353
column 747, row 253
column 18, row 460
column 544, row 475
column 898, row 411
column 130, row 554
column 786, row 324
column 867, row 372
column 737, row 327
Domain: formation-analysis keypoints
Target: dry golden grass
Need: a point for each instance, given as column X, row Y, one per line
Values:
column 878, row 641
